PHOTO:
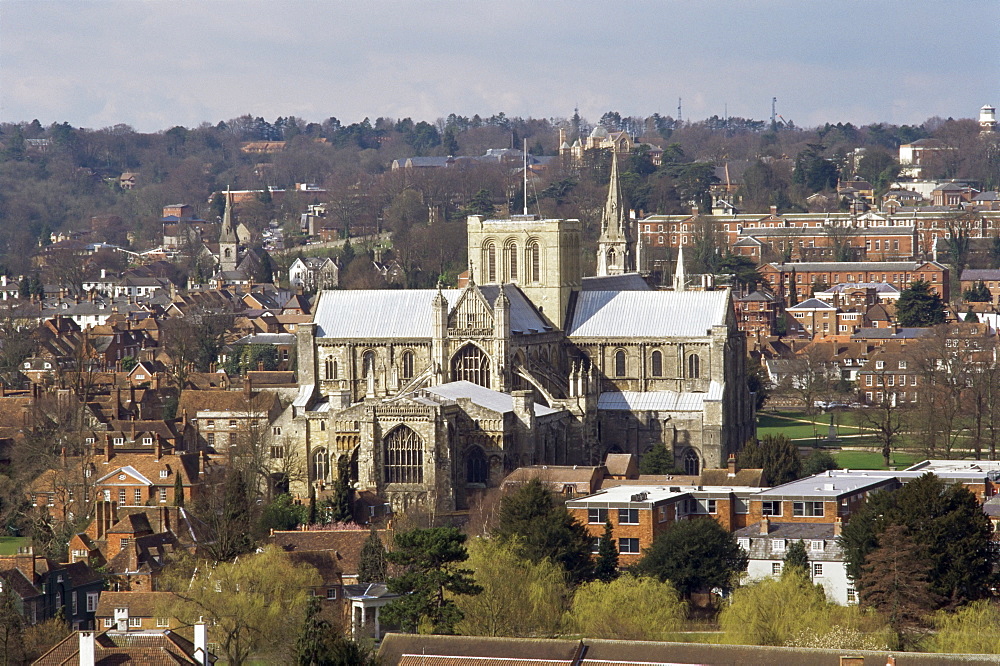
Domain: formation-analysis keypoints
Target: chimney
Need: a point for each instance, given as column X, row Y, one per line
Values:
column 248, row 385
column 159, row 447
column 765, row 525
column 200, row 643
column 838, row 527
column 694, row 211
column 87, row 648
column 109, row 448
column 164, row 519
column 774, row 211
column 732, row 464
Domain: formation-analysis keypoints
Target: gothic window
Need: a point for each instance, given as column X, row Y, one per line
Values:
column 331, row 368
column 511, row 250
column 407, row 363
column 611, row 257
column 491, row 263
column 321, row 464
column 691, row 463
column 694, row 369
column 229, row 253
column 620, row 363
column 367, row 363
column 477, row 467
column 403, row 456
column 657, row 364
column 534, row 262
column 471, row 364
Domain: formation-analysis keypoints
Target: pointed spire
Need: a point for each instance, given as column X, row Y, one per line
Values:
column 680, row 277
column 227, row 233
column 613, row 222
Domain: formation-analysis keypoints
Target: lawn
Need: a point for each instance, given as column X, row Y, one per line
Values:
column 791, row 424
column 873, row 459
column 9, row 545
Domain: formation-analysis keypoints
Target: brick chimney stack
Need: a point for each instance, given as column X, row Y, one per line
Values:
column 732, row 464
column 838, row 527
column 765, row 525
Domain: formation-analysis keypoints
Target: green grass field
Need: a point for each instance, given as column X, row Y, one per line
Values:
column 873, row 460
column 9, row 545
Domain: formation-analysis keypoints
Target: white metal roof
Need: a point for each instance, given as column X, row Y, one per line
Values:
column 378, row 313
column 660, row 401
column 482, row 396
column 649, row 314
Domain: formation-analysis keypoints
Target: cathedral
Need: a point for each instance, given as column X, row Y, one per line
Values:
column 432, row 395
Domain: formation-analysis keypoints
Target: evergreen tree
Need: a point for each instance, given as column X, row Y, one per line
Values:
column 970, row 316
column 430, row 577
column 372, row 565
column 11, row 626
column 178, row 490
column 657, row 460
column 796, row 558
column 312, row 647
column 978, row 293
column 342, row 504
column 776, row 455
column 607, row 557
column 313, row 515
column 694, row 555
column 919, row 306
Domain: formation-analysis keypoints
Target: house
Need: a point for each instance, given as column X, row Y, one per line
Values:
column 72, row 588
column 112, row 647
column 221, row 417
column 314, row 274
column 134, row 611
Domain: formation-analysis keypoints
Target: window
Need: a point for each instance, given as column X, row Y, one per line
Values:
column 692, row 465
column 629, row 546
column 91, row 602
column 403, row 456
column 771, row 508
column 118, row 441
column 162, row 622
column 776, row 568
column 121, row 497
column 163, row 495
column 807, row 509
column 148, row 441
column 902, row 365
column 595, row 545
column 817, row 570
column 232, row 424
column 276, row 430
column 852, row 595
column 534, row 257
column 511, row 250
column 73, row 597
column 477, row 467
column 694, row 369
column 711, row 505
column 620, row 363
column 331, row 368
column 407, row 365
column 331, row 593
column 108, row 622
column 778, row 545
column 138, row 496
column 164, row 473
column 628, row 516
column 210, row 424
column 135, row 622
column 277, row 452
column 471, row 364
column 210, row 438
column 597, row 516
column 491, row 263
column 816, row 546
column 743, row 543
column 321, row 464
column 657, row 363
column 661, row 512
column 367, row 363
column 234, row 439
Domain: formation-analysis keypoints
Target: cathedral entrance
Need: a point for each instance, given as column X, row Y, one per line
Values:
column 471, row 364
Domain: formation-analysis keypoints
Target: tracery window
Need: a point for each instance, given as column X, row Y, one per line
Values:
column 471, row 364
column 692, row 465
column 321, row 464
column 477, row 467
column 403, row 456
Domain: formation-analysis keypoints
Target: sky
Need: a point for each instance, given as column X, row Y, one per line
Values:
column 154, row 65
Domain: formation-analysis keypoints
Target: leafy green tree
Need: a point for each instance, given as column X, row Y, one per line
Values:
column 818, row 462
column 607, row 556
column 947, row 525
column 322, row 644
column 638, row 608
column 694, row 555
column 796, row 558
column 657, row 460
column 919, row 306
column 533, row 606
column 776, row 455
column 543, row 528
column 971, row 629
column 743, row 269
column 428, row 560
column 372, row 565
column 283, row 514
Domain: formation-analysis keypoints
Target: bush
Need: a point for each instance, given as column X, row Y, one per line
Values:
column 627, row 608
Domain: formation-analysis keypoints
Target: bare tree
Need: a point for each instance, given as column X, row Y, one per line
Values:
column 885, row 399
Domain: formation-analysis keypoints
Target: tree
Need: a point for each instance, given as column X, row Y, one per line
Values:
column 282, row 513
column 886, row 413
column 776, row 455
column 256, row 604
column 428, row 559
column 945, row 522
column 606, row 568
column 178, row 490
column 342, row 504
column 11, row 626
column 532, row 607
column 978, row 293
column 636, row 608
column 971, row 317
column 372, row 566
column 543, row 529
column 971, row 629
column 895, row 582
column 818, row 462
column 919, row 306
column 657, row 460
column 230, row 513
column 322, row 644
column 796, row 558
column 694, row 555
column 481, row 203
column 758, row 382
column 810, row 375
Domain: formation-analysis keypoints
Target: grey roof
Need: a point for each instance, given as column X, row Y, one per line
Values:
column 803, row 531
column 757, row 295
column 832, row 484
column 879, row 287
column 625, row 282
column 980, row 274
column 524, row 318
column 267, row 339
column 812, row 304
column 659, row 401
column 834, row 266
column 482, row 396
column 820, row 231
column 649, row 314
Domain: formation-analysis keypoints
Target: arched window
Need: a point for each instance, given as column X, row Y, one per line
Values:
column 403, row 456
column 511, row 250
column 471, row 364
column 229, row 253
column 407, row 365
column 534, row 262
column 620, row 363
column 367, row 363
column 692, row 465
column 657, row 363
column 330, row 367
column 321, row 464
column 694, row 366
column 611, row 257
column 477, row 467
column 491, row 263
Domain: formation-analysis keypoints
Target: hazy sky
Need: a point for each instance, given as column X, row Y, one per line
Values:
column 154, row 65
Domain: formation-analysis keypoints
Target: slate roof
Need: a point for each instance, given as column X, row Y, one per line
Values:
column 651, row 314
column 625, row 282
column 661, row 401
column 835, row 266
column 484, row 397
column 980, row 274
column 812, row 304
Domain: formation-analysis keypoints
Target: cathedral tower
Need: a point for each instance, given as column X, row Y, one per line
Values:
column 227, row 238
column 614, row 247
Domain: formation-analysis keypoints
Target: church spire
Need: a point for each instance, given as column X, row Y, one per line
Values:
column 227, row 238
column 614, row 247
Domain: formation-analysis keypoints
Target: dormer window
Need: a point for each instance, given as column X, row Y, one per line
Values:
column 164, row 473
column 210, row 424
column 902, row 365
column 119, row 441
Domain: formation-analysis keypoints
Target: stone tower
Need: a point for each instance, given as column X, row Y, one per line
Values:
column 614, row 247
column 227, row 238
column 988, row 119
